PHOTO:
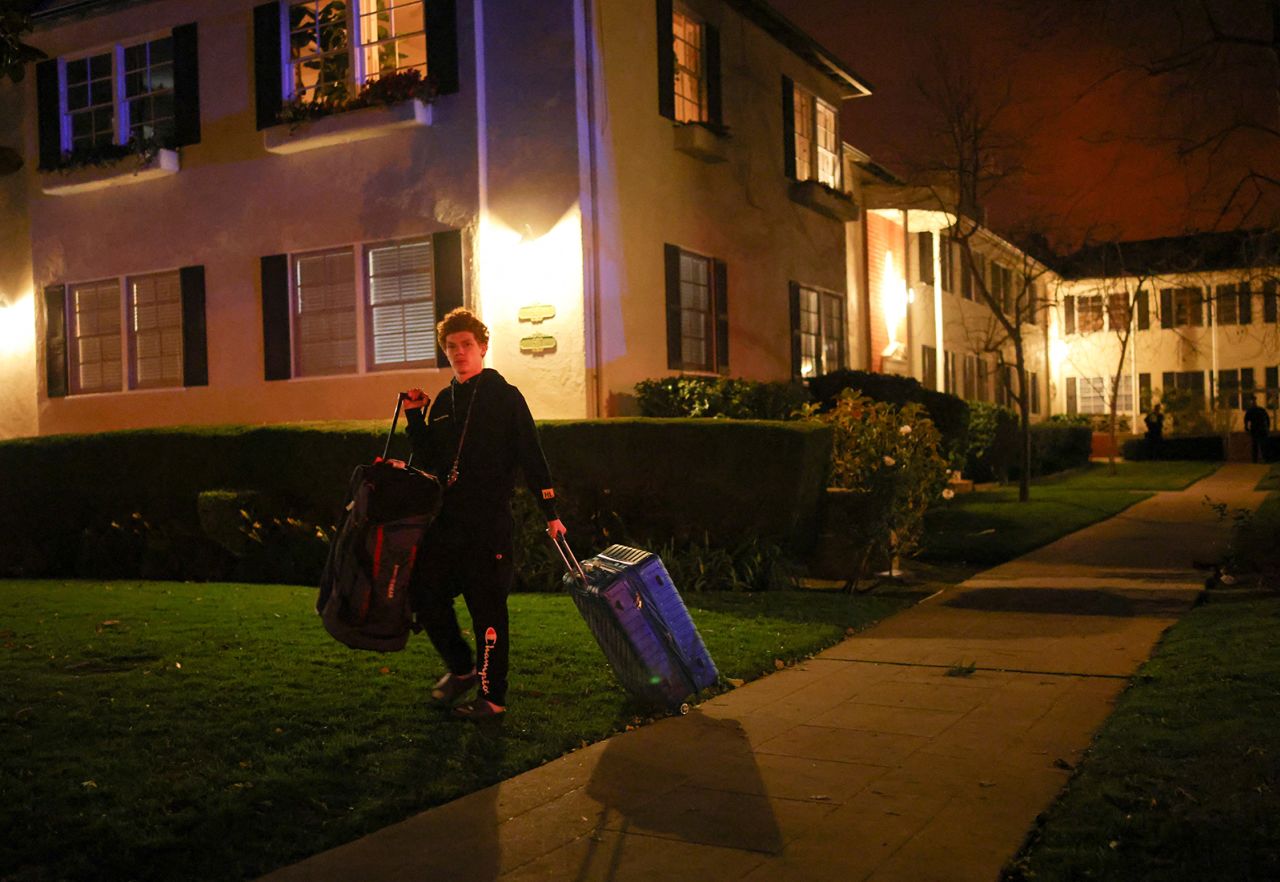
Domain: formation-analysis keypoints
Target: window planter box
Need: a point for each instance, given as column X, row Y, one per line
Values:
column 98, row 177
column 347, row 127
column 812, row 194
column 701, row 142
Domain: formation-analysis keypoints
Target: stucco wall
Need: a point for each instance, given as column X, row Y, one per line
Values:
column 233, row 202
column 17, row 299
column 738, row 211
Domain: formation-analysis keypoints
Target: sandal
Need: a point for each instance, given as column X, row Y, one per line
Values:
column 451, row 687
column 478, row 709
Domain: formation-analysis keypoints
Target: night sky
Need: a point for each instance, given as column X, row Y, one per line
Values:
column 1097, row 137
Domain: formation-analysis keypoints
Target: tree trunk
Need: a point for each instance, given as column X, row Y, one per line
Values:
column 1024, row 414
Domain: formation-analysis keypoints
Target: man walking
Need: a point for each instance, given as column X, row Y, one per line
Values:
column 1257, row 423
column 477, row 433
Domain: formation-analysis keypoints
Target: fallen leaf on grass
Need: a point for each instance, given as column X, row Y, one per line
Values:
column 779, row 664
column 89, row 785
column 384, row 670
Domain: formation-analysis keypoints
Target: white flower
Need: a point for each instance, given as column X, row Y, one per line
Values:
column 904, row 430
column 890, row 461
column 948, row 493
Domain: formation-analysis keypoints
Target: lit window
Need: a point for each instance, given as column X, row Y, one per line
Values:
column 1118, row 311
column 95, row 333
column 819, row 332
column 828, row 147
column 804, row 134
column 690, row 81
column 324, row 313
column 326, row 65
column 155, row 330
column 401, row 313
column 90, row 102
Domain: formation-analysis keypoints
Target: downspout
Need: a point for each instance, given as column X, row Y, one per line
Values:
column 910, row 292
column 1133, row 367
column 866, row 293
column 584, row 33
column 939, row 378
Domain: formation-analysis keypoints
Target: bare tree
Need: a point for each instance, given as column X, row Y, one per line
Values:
column 976, row 155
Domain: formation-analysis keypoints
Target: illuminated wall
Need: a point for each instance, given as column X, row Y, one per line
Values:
column 887, row 306
column 18, row 357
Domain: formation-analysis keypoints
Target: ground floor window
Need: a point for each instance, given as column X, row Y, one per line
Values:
column 1235, row 387
column 818, row 329
column 324, row 313
column 143, row 331
column 697, row 311
column 1188, row 382
column 1089, row 395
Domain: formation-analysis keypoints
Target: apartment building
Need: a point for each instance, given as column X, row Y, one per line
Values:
column 249, row 213
column 1194, row 315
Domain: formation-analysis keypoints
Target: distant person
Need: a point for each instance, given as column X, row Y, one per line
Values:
column 1257, row 423
column 1155, row 429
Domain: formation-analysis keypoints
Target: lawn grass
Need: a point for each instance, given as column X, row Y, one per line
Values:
column 214, row 731
column 990, row 526
column 1182, row 783
column 1153, row 475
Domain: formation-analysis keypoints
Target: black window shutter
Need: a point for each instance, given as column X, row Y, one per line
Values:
column 1144, row 309
column 666, row 61
column 268, row 72
column 442, row 45
column 49, row 110
column 446, row 248
column 1244, row 314
column 794, row 291
column 1069, row 314
column 1269, row 302
column 1072, row 407
column 720, row 274
column 186, row 86
column 711, row 46
column 277, row 355
column 789, row 127
column 1169, row 382
column 195, row 346
column 671, row 265
column 1198, row 298
column 1166, row 307
column 55, row 340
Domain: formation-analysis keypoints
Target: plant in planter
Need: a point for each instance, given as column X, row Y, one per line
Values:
column 386, row 91
column 144, row 150
column 887, row 460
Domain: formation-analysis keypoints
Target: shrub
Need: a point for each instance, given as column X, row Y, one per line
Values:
column 887, row 457
column 719, row 397
column 1203, row 448
column 948, row 413
column 1056, row 447
column 991, row 444
column 1185, row 412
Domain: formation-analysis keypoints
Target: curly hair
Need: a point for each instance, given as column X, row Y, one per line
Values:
column 461, row 319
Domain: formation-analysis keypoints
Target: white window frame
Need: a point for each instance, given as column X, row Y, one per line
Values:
column 829, row 331
column 296, row 312
column 358, row 74
column 1095, row 301
column 812, row 158
column 121, row 124
column 74, row 386
column 131, row 331
column 361, row 305
column 698, row 75
column 367, row 306
column 709, row 316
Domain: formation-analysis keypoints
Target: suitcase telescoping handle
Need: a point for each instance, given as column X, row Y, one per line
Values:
column 570, row 559
column 386, row 448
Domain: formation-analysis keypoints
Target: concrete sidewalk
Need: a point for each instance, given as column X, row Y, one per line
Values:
column 883, row 758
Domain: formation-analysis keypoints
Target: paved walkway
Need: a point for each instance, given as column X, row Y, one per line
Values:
column 873, row 760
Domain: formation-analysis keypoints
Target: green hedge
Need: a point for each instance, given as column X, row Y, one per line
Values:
column 1203, row 448
column 949, row 413
column 1056, row 447
column 719, row 397
column 126, row 503
column 991, row 445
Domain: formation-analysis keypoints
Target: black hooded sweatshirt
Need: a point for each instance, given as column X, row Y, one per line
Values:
column 500, row 436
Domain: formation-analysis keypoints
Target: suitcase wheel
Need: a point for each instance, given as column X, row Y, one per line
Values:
column 684, row 708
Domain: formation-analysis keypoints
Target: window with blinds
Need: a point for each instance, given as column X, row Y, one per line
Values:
column 690, row 75
column 155, row 330
column 828, row 144
column 324, row 311
column 95, row 332
column 401, row 310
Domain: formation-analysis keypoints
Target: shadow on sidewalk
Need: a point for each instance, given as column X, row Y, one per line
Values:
column 693, row 779
column 1072, row 602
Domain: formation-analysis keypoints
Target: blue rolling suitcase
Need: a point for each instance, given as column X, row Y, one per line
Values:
column 641, row 624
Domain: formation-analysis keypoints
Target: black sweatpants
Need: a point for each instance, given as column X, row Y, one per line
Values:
column 476, row 564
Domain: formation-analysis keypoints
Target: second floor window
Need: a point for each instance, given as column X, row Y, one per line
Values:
column 690, row 79
column 1181, row 306
column 1118, row 311
column 143, row 90
column 335, row 46
column 815, row 137
column 1089, row 314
